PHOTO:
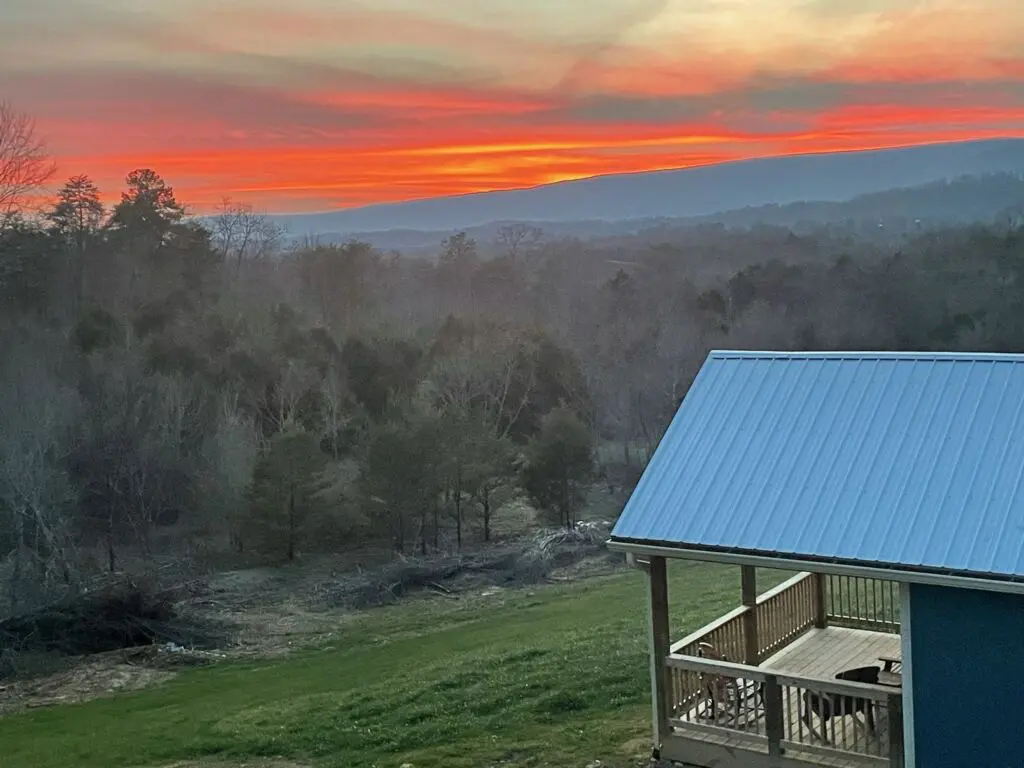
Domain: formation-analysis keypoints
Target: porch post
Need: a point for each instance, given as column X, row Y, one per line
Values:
column 907, row 673
column 660, row 646
column 748, row 590
column 818, row 584
column 774, row 717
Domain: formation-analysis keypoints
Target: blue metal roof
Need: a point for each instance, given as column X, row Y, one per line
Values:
column 891, row 459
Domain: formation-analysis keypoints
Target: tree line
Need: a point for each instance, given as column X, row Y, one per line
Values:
column 174, row 386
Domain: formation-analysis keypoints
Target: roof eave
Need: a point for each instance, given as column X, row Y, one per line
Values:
column 767, row 354
column 885, row 571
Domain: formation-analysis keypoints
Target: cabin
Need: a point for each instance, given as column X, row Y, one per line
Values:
column 889, row 487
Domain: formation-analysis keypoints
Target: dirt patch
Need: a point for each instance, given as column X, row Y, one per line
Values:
column 269, row 607
column 87, row 680
column 103, row 674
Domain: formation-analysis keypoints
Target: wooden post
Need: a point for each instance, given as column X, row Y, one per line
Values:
column 660, row 647
column 748, row 589
column 774, row 724
column 896, row 730
column 818, row 583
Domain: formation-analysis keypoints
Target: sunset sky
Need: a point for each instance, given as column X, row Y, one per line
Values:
column 318, row 104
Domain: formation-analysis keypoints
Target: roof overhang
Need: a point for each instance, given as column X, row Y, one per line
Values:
column 888, row 572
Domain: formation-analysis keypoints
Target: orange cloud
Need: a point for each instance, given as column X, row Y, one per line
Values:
column 283, row 178
column 321, row 106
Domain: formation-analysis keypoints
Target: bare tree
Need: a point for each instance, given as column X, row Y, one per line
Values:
column 133, row 465
column 25, row 164
column 492, row 373
column 36, row 414
column 517, row 237
column 155, row 476
column 334, row 399
column 242, row 235
column 280, row 403
column 479, row 390
column 229, row 456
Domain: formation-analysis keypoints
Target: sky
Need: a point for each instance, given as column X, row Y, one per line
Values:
column 323, row 104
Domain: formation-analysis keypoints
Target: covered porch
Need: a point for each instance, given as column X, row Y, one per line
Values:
column 759, row 687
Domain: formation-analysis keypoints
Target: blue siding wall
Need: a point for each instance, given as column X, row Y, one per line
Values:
column 967, row 651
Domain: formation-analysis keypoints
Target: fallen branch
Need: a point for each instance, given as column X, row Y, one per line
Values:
column 530, row 561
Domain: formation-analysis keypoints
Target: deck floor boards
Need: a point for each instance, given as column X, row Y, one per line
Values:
column 824, row 652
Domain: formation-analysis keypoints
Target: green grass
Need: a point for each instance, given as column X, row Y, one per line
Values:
column 557, row 676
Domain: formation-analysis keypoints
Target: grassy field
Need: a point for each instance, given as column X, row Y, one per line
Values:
column 555, row 676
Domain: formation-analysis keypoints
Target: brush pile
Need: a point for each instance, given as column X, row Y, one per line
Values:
column 120, row 612
column 530, row 561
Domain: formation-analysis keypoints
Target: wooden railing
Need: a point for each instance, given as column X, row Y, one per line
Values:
column 786, row 612
column 781, row 615
column 779, row 714
column 853, row 601
column 725, row 634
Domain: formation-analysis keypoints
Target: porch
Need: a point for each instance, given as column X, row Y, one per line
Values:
column 759, row 687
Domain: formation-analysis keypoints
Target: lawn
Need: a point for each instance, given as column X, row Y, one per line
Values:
column 556, row 676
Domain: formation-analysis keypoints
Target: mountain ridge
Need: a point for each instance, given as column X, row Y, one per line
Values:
column 685, row 192
column 985, row 198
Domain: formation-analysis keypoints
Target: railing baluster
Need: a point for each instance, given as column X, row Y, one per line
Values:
column 874, row 600
column 883, row 587
column 886, row 611
column 856, row 601
column 887, row 614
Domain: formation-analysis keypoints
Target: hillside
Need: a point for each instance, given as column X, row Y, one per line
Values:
column 554, row 676
column 697, row 191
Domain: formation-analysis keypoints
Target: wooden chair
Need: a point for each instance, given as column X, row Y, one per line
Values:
column 829, row 706
column 739, row 698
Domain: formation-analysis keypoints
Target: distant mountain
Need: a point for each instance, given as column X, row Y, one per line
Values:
column 963, row 199
column 986, row 198
column 687, row 192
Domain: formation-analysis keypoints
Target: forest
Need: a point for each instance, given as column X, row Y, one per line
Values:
column 178, row 388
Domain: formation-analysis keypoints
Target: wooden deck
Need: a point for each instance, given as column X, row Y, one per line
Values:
column 824, row 652
column 777, row 661
column 818, row 654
